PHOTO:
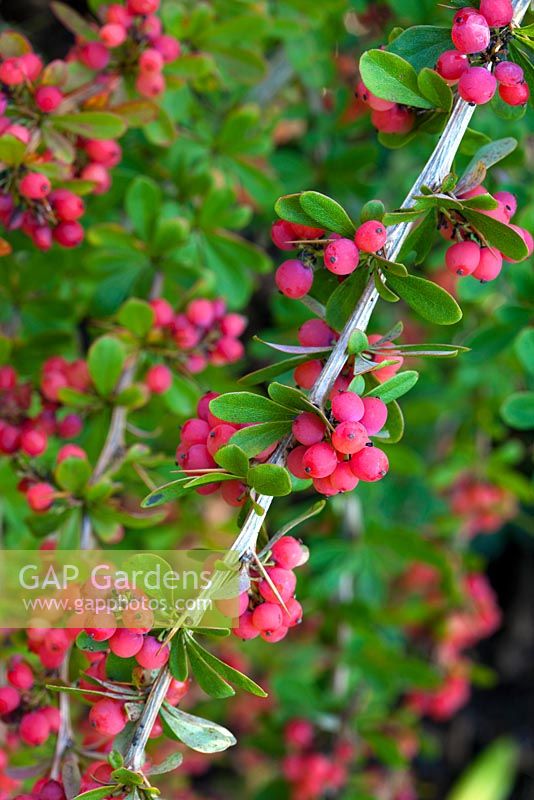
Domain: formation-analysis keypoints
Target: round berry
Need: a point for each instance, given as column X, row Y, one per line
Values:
column 40, row 496
column 470, row 32
column 283, row 235
column 489, row 266
column 245, row 629
column 97, row 174
column 163, row 312
column 477, row 86
column 527, row 238
column 294, row 279
column 451, row 65
column 319, row 460
column 349, row 437
column 463, row 258
column 9, row 699
column 48, row 98
column 151, row 60
column 67, row 205
column 33, row 442
column 399, row 120
column 287, row 552
column 341, row 257
column 293, row 615
column 12, row 72
column 509, row 73
column 20, row 675
column 509, row 202
column 267, row 617
column 34, row 186
column 52, row 790
column 31, row 65
column 70, row 451
column 94, row 55
column 294, row 462
column 150, row 84
column 516, row 95
column 375, row 415
column 234, row 493
column 371, row 236
column 299, row 733
column 112, row 34
column 370, row 464
column 284, row 582
column 498, row 13
column 219, row 436
column 107, row 717
column 168, row 46
column 194, row 431
column 308, row 428
column 104, row 151
column 316, row 333
column 347, row 407
column 68, row 234
column 343, row 478
column 70, row 426
column 274, row 636
column 125, row 644
column 34, row 728
column 143, row 6
column 158, row 379
column 233, row 325
column 306, row 374
column 152, row 655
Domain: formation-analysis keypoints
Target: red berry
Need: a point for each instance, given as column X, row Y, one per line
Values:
column 470, row 32
column 159, row 379
column 274, row 636
column 398, row 120
column 305, row 232
column 283, row 235
column 287, row 552
column 201, row 312
column 20, row 675
column 12, row 72
column 94, row 55
column 477, row 86
column 125, row 644
column 9, row 699
column 375, row 415
column 40, row 496
column 112, row 34
column 48, row 98
column 118, row 14
column 168, row 46
column 42, row 237
column 100, row 634
column 70, row 451
column 8, row 377
column 245, row 629
column 153, row 655
column 194, row 431
column 9, row 439
column 316, row 333
column 294, row 279
column 498, row 13
column 104, row 151
column 142, row 6
column 34, row 186
column 299, row 733
column 33, row 442
column 68, row 234
column 293, row 615
column 516, row 95
column 527, row 238
column 294, row 462
column 267, row 617
column 463, row 258
column 97, row 174
column 219, row 436
column 308, row 428
column 370, row 99
column 349, row 437
column 163, row 312
column 509, row 202
column 52, row 790
column 70, row 426
column 306, row 374
column 107, row 717
column 489, row 266
column 343, row 478
column 284, row 581
column 31, row 65
column 370, row 464
column 67, row 205
column 34, row 728
column 151, row 60
column 341, row 257
column 324, row 486
column 509, row 73
column 234, row 493
column 150, row 84
column 347, row 407
column 319, row 460
column 451, row 65
column 371, row 236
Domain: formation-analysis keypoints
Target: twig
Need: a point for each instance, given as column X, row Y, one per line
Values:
column 64, row 737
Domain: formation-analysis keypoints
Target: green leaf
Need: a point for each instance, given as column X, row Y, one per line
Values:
column 420, row 238
column 233, row 459
column 518, row 411
column 290, row 209
column 393, row 431
column 207, row 678
column 402, row 215
column 482, row 201
column 101, row 793
column 272, row 371
column 435, row 89
column 395, row 387
column 12, row 150
column 106, row 362
column 127, row 777
column 326, row 213
column 289, row 397
column 119, row 669
column 91, row 124
column 487, row 156
column 422, row 45
column 428, row 299
column 72, row 397
column 226, row 671
column 497, row 234
column 343, row 299
column 390, row 77
column 75, row 23
column 167, row 765
column 269, row 479
column 170, row 233
column 143, row 205
column 166, row 493
column 247, row 407
column 87, row 644
column 137, row 316
column 491, row 776
column 256, row 438
column 13, row 44
column 73, row 474
column 524, row 347
column 178, row 658
column 199, row 734
column 384, row 292
column 373, row 209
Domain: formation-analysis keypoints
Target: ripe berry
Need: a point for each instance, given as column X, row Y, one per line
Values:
column 316, row 333
column 31, row 65
column 397, row 121
column 151, row 60
column 158, row 379
column 274, row 636
column 283, row 235
column 304, row 232
column 201, row 312
column 375, row 415
column 8, row 377
column 306, row 374
column 308, row 428
column 489, row 266
column 100, row 634
column 48, row 98
column 477, row 86
column 168, row 46
column 284, row 581
column 9, row 439
column 294, row 462
column 347, row 407
column 67, row 205
column 319, row 460
column 324, row 486
column 370, row 99
column 107, row 717
column 125, row 644
column 509, row 73
column 68, row 234
column 299, row 733
column 516, row 95
column 143, row 6
column 527, row 238
column 463, row 258
column 163, row 312
column 12, row 72
column 33, row 442
column 509, row 202
column 343, row 478
column 287, row 552
column 233, row 324
column 470, row 32
column 40, row 496
column 52, row 790
column 370, row 464
column 498, row 13
column 53, row 716
column 234, row 493
column 97, row 174
column 70, row 426
column 294, row 279
column 219, row 436
column 9, row 699
column 34, row 186
column 70, row 451
column 20, row 675
column 451, row 65
column 267, row 617
column 349, row 437
column 371, row 236
column 94, row 55
column 42, row 237
column 341, row 257
column 112, row 34
column 245, row 629
column 104, row 151
column 152, row 654
column 150, row 84
column 34, row 728
column 194, row 431
column 293, row 615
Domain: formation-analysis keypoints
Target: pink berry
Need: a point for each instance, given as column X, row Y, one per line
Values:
column 94, row 55
column 9, row 699
column 100, row 634
column 498, row 13
column 70, row 451
column 168, row 46
column 267, row 617
column 527, row 238
column 293, row 615
column 283, row 580
column 34, row 186
column 349, row 437
column 477, row 86
column 9, row 439
column 324, row 486
column 275, row 636
column 283, row 235
column 53, row 716
column 316, row 333
column 112, row 34
column 201, row 312
column 509, row 73
column 287, row 552
column 371, row 236
column 294, row 462
column 245, row 629
column 151, row 60
column 470, row 32
column 67, row 205
column 12, row 72
column 104, row 151
column 34, row 728
column 33, row 442
column 516, row 95
column 198, row 458
column 463, row 258
column 152, row 654
column 343, row 478
column 451, row 65
column 375, row 415
column 42, row 237
column 40, row 496
column 489, row 266
column 70, row 426
column 107, row 717
column 341, row 257
column 306, row 374
column 227, row 351
column 399, row 120
column 299, row 733
column 118, row 14
column 219, row 436
column 97, row 174
column 234, row 493
column 68, row 234
column 233, row 325
column 31, row 65
column 150, row 84
column 52, row 790
column 370, row 464
column 143, row 7
column 158, row 379
column 319, row 460
column 8, row 378
column 48, row 98
column 163, row 312
column 294, row 279
column 509, row 202
column 194, row 431
column 347, row 407
column 125, row 644
column 308, row 428
column 20, row 675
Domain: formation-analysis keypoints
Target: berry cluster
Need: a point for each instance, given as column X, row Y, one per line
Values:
column 478, row 36
column 311, row 772
column 204, row 331
column 470, row 255
column 340, row 255
column 386, row 117
column 483, row 506
column 270, row 612
column 23, row 430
